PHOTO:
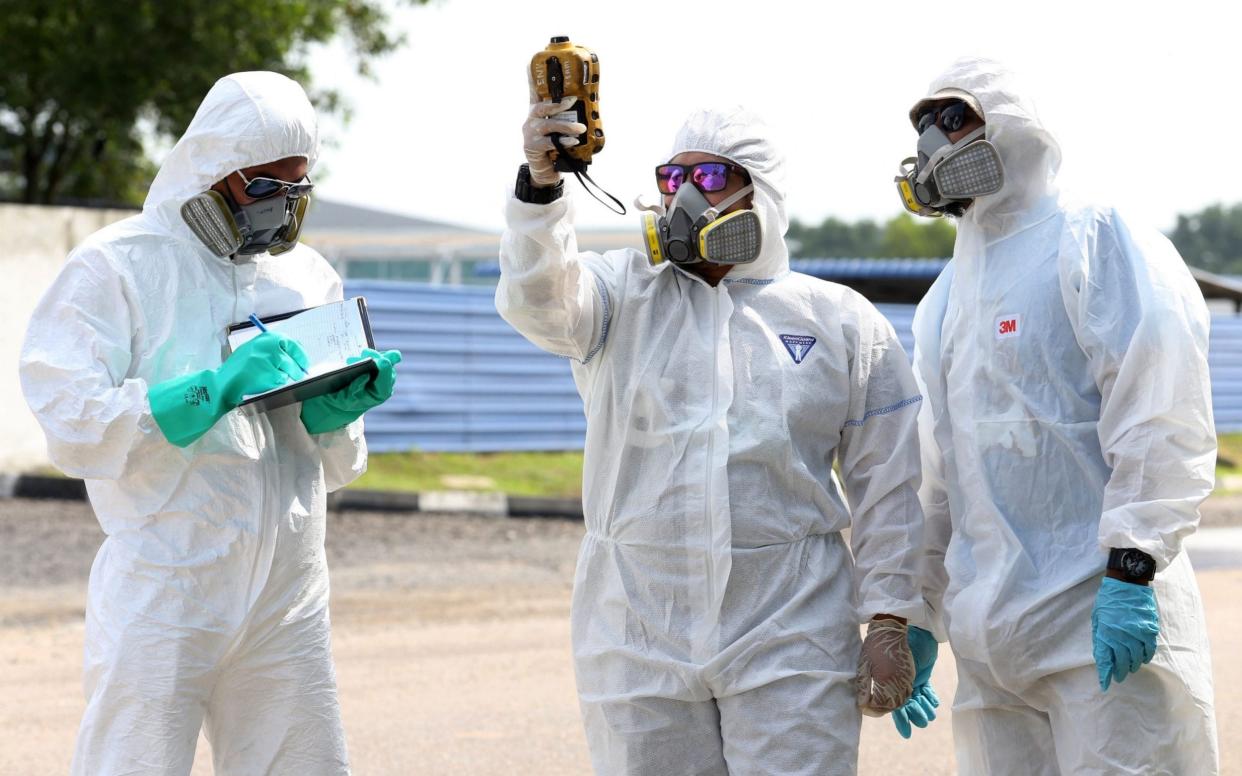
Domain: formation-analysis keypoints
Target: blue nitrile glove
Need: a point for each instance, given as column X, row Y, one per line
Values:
column 186, row 407
column 1124, row 625
column 921, row 708
column 337, row 410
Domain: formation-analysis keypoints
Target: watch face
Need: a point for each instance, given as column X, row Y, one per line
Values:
column 1136, row 564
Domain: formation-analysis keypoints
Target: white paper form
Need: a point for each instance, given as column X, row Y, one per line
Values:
column 330, row 334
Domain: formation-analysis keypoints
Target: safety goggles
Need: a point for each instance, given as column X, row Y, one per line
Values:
column 949, row 118
column 262, row 188
column 706, row 176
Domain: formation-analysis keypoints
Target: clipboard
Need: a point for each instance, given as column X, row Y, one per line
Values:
column 329, row 334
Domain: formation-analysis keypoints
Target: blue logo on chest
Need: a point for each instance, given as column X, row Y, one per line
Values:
column 798, row 345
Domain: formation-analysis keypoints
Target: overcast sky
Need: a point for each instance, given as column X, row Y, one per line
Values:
column 1146, row 104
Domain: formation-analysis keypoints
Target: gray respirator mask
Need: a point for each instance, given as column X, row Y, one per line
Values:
column 946, row 177
column 692, row 230
column 229, row 229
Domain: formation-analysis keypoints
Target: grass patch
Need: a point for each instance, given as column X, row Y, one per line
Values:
column 559, row 475
column 1229, row 463
column 554, row 475
column 1229, row 457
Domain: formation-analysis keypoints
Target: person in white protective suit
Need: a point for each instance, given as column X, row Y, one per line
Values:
column 716, row 607
column 208, row 601
column 1068, row 441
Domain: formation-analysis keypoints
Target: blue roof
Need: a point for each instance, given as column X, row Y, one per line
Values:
column 829, row 269
column 905, row 269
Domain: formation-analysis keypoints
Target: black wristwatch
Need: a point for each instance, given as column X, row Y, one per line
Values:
column 526, row 191
column 1133, row 565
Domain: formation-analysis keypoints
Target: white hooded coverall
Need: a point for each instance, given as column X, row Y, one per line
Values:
column 208, row 601
column 1063, row 357
column 716, row 608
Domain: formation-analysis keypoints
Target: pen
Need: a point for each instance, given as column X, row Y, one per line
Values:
column 258, row 323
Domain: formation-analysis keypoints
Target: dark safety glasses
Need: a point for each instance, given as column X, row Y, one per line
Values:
column 949, row 118
column 706, row 176
column 262, row 188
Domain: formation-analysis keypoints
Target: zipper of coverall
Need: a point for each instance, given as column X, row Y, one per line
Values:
column 253, row 420
column 711, row 436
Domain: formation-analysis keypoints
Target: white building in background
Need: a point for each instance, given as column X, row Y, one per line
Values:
column 368, row 244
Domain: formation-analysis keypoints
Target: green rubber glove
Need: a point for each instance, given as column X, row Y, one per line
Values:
column 186, row 407
column 921, row 707
column 337, row 410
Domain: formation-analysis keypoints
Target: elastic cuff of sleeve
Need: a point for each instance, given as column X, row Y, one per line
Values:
column 931, row 621
column 911, row 612
column 523, row 213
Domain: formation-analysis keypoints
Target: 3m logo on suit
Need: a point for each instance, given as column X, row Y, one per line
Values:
column 1008, row 326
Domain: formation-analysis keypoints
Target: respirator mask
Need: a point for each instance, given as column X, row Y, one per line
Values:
column 272, row 223
column 692, row 230
column 945, row 177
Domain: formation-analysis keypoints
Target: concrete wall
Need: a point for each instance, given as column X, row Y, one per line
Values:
column 34, row 241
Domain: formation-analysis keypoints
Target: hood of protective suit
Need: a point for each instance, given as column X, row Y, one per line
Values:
column 246, row 119
column 743, row 138
column 1030, row 154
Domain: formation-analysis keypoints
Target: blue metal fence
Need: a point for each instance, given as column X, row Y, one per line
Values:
column 1225, row 361
column 469, row 382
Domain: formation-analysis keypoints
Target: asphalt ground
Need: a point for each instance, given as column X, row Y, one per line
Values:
column 451, row 639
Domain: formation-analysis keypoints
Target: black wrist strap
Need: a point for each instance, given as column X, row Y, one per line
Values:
column 526, row 191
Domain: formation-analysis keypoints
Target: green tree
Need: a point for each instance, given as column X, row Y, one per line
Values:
column 921, row 238
column 1211, row 238
column 902, row 236
column 78, row 78
column 835, row 238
